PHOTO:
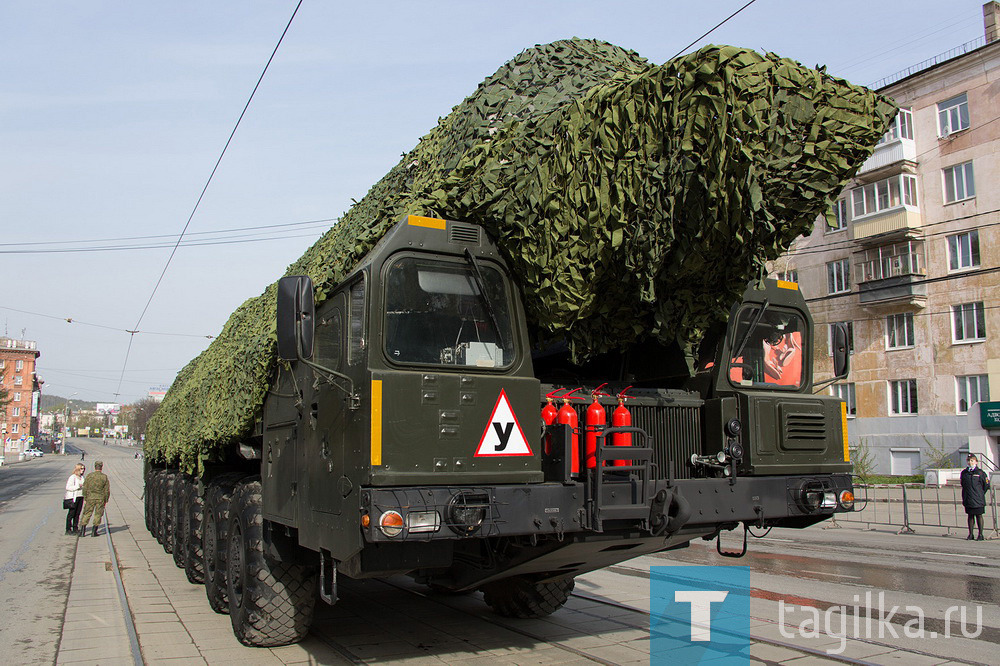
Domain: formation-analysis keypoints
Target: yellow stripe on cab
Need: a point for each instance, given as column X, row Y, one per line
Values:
column 376, row 422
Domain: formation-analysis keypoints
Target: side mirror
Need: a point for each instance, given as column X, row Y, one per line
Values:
column 841, row 354
column 296, row 318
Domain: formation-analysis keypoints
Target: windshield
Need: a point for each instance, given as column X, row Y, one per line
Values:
column 436, row 315
column 774, row 349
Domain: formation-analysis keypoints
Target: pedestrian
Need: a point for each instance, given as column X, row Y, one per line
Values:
column 96, row 491
column 83, row 456
column 73, row 499
column 975, row 484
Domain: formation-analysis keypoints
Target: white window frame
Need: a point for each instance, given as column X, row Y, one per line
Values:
column 882, row 195
column 958, row 183
column 847, row 393
column 903, row 400
column 960, row 322
column 18, row 365
column 850, row 336
column 838, row 276
column 839, row 218
column 15, row 411
column 788, row 275
column 894, row 323
column 900, row 128
column 18, row 380
column 964, row 391
column 953, row 115
column 14, row 427
column 963, row 251
column 17, row 396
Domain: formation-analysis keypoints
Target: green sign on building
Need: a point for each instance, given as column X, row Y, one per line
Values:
column 989, row 415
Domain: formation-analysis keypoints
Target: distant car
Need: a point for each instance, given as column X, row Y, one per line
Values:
column 34, row 453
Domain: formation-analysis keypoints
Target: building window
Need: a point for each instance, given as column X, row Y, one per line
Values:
column 14, row 428
column 788, row 275
column 18, row 366
column 884, row 195
column 971, row 389
column 963, row 250
column 837, row 221
column 968, row 322
column 899, row 331
column 850, row 336
column 16, row 411
column 846, row 393
column 953, row 114
column 901, row 127
column 838, row 275
column 959, row 183
column 886, row 261
column 17, row 397
column 903, row 396
column 3, row 364
column 18, row 380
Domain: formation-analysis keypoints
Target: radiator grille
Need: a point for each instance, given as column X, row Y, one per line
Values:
column 805, row 426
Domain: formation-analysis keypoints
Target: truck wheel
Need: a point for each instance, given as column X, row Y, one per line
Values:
column 166, row 510
column 158, row 506
column 218, row 497
column 194, row 566
column 522, row 597
column 149, row 496
column 179, row 536
column 270, row 603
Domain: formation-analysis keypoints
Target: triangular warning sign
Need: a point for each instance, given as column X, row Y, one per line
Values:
column 503, row 435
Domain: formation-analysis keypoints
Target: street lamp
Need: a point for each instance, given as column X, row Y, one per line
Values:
column 65, row 424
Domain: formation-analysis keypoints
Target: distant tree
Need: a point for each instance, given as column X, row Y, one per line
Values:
column 4, row 398
column 137, row 415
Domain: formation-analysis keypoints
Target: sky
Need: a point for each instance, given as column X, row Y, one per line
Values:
column 114, row 114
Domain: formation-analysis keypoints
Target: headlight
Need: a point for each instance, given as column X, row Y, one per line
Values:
column 467, row 511
column 391, row 523
column 423, row 521
column 829, row 500
column 847, row 500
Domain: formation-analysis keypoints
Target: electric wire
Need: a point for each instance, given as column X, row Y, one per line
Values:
column 72, row 320
column 201, row 196
column 716, row 27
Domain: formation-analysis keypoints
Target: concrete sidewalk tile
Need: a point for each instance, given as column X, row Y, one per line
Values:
column 169, row 651
column 311, row 650
column 181, row 661
column 243, row 655
column 109, row 650
column 176, row 637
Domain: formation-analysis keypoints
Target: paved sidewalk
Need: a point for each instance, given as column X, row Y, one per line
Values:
column 174, row 622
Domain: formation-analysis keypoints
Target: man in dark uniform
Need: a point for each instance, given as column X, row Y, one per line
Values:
column 96, row 491
column 975, row 485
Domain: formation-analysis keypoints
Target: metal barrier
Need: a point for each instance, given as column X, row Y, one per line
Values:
column 913, row 505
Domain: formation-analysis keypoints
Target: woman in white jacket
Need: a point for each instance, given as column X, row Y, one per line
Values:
column 74, row 493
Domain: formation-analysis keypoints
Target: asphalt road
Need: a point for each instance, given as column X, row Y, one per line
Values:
column 36, row 557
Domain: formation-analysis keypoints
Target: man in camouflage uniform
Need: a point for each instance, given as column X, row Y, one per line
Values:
column 96, row 491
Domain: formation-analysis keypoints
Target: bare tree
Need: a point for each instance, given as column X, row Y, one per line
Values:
column 137, row 415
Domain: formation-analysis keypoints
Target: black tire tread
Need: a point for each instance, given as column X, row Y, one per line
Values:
column 523, row 598
column 278, row 599
column 194, row 563
column 218, row 497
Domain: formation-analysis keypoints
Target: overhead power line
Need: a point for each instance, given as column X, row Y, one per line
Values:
column 208, row 182
column 117, row 329
column 714, row 28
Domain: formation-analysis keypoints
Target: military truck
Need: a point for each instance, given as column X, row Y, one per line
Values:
column 402, row 434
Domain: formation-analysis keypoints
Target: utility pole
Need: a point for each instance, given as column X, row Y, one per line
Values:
column 65, row 425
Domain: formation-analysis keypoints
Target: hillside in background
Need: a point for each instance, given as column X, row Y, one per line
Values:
column 52, row 403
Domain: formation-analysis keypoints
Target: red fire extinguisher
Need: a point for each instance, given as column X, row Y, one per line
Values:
column 567, row 416
column 597, row 418
column 549, row 416
column 621, row 418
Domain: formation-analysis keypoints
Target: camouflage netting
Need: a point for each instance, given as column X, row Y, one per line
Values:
column 632, row 200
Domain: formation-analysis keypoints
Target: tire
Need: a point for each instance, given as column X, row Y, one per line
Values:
column 521, row 597
column 218, row 497
column 158, row 506
column 194, row 565
column 270, row 603
column 179, row 536
column 149, row 497
column 166, row 510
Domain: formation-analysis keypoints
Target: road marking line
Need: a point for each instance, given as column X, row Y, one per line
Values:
column 824, row 573
column 932, row 552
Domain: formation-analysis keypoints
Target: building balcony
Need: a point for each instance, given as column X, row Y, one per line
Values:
column 901, row 219
column 889, row 154
column 892, row 273
column 897, row 290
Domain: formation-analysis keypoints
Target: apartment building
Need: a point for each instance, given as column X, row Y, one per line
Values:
column 909, row 258
column 19, row 413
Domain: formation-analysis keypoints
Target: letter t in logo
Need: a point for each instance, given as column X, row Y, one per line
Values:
column 701, row 610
